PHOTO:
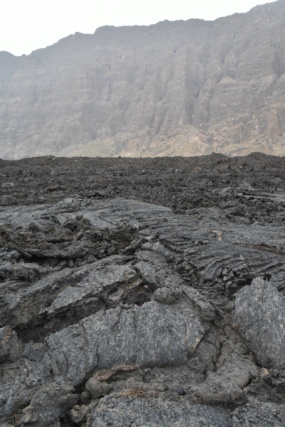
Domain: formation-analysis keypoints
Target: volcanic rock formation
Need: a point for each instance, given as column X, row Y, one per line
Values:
column 175, row 88
column 142, row 292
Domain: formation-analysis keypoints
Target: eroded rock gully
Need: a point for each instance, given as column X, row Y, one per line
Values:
column 143, row 292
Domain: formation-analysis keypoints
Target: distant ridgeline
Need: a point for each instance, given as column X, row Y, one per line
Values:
column 175, row 88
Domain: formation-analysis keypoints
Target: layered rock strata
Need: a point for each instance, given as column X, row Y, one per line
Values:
column 175, row 88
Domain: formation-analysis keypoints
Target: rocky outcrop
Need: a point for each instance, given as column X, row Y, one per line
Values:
column 118, row 311
column 174, row 88
column 260, row 314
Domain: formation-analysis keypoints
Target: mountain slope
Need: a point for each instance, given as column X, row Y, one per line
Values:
column 174, row 88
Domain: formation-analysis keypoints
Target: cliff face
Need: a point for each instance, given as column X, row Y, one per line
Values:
column 174, row 88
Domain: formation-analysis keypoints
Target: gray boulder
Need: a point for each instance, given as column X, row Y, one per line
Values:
column 260, row 316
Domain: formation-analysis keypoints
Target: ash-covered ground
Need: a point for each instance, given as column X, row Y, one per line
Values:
column 142, row 292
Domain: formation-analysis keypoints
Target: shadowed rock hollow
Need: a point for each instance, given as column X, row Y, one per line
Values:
column 142, row 292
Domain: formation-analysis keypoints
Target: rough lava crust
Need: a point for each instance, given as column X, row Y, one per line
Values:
column 142, row 292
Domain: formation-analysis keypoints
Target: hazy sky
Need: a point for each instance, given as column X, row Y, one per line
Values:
column 26, row 25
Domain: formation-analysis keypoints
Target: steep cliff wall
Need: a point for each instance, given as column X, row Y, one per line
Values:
column 174, row 88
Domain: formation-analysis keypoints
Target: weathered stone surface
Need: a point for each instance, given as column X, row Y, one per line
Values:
column 175, row 88
column 97, row 388
column 141, row 285
column 147, row 412
column 226, row 384
column 166, row 296
column 260, row 315
column 10, row 347
column 47, row 405
column 150, row 335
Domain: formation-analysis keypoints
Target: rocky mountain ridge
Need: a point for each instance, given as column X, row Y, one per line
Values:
column 174, row 88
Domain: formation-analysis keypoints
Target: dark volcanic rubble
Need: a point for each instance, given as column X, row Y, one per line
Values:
column 142, row 292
